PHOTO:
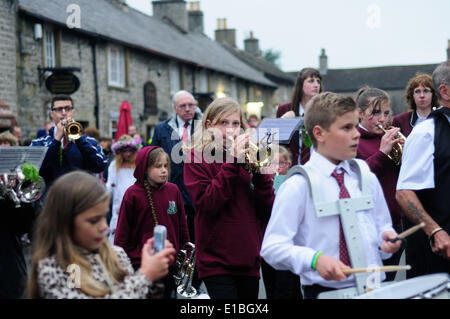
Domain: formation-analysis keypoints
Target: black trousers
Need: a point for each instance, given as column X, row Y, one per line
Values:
column 232, row 287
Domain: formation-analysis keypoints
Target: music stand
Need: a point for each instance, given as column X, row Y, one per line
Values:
column 11, row 157
column 282, row 129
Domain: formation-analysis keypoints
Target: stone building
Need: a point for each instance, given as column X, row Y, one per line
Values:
column 118, row 54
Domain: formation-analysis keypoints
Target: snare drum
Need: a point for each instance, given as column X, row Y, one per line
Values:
column 434, row 286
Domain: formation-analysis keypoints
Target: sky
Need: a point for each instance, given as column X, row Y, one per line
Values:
column 354, row 33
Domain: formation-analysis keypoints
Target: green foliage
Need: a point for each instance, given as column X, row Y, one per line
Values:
column 273, row 56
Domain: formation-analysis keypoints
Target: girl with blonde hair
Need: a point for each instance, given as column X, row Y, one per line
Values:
column 231, row 204
column 72, row 257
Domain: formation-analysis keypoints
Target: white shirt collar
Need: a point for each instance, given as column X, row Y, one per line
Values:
column 361, row 126
column 301, row 110
column 181, row 122
column 326, row 167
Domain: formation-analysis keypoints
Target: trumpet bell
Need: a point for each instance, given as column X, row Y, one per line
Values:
column 74, row 131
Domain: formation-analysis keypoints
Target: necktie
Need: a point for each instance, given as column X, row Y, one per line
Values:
column 343, row 193
column 185, row 137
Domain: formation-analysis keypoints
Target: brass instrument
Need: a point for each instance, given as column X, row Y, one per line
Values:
column 185, row 263
column 254, row 162
column 397, row 148
column 73, row 130
column 15, row 187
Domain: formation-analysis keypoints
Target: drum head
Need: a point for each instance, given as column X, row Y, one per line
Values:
column 408, row 288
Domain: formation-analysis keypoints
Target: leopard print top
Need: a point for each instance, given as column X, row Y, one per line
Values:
column 56, row 283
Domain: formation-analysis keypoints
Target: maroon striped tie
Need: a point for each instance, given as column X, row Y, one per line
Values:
column 343, row 193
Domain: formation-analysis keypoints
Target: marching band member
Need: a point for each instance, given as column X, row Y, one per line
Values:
column 421, row 98
column 314, row 248
column 375, row 146
column 307, row 85
column 231, row 204
column 424, row 183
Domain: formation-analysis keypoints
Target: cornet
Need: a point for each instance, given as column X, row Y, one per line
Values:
column 73, row 130
column 397, row 148
column 185, row 263
column 253, row 161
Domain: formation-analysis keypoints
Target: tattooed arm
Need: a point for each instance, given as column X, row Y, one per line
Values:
column 415, row 212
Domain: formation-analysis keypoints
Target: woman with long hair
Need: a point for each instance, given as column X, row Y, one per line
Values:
column 307, row 85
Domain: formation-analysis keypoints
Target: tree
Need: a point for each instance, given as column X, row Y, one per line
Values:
column 273, row 56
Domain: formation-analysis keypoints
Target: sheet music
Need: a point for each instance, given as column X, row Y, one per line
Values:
column 282, row 130
column 11, row 157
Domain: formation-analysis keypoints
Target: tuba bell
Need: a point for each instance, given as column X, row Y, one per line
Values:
column 397, row 148
column 73, row 130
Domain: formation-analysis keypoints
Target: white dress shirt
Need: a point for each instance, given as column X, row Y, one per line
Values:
column 417, row 170
column 294, row 232
column 180, row 123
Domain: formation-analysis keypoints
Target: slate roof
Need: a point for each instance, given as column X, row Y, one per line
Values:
column 129, row 27
column 272, row 72
column 385, row 77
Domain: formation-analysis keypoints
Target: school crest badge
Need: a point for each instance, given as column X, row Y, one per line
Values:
column 172, row 208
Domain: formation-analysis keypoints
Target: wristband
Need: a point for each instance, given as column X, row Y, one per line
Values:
column 431, row 237
column 314, row 260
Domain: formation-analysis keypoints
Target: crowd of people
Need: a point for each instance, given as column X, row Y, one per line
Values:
column 92, row 230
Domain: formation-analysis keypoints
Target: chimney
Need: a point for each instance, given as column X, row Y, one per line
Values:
column 174, row 10
column 195, row 18
column 252, row 45
column 225, row 36
column 323, row 63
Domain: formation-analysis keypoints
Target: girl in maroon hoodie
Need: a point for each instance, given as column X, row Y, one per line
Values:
column 231, row 204
column 151, row 201
column 375, row 146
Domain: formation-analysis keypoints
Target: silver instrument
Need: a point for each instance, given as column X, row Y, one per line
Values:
column 185, row 263
column 13, row 186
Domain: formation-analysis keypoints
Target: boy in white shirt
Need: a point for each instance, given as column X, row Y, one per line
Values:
column 295, row 238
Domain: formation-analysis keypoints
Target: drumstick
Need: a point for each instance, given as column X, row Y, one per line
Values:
column 375, row 269
column 408, row 232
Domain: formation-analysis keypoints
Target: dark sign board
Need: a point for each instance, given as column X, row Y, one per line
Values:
column 62, row 82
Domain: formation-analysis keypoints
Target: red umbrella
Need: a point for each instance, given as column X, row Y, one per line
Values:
column 124, row 120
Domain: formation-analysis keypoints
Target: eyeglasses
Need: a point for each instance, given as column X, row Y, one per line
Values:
column 283, row 164
column 187, row 105
column 419, row 92
column 62, row 108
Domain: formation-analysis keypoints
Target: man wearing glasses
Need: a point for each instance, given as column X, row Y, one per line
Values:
column 64, row 155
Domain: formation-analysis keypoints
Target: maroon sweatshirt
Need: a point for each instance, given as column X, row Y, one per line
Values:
column 405, row 121
column 384, row 168
column 231, row 208
column 135, row 224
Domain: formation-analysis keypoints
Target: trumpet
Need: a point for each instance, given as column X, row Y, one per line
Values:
column 397, row 148
column 73, row 130
column 185, row 263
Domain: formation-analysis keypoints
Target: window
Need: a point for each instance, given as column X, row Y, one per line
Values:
column 174, row 78
column 49, row 49
column 234, row 89
column 116, row 66
column 203, row 81
column 113, row 120
column 150, row 107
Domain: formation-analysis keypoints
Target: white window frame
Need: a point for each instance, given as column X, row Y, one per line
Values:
column 203, row 81
column 175, row 83
column 116, row 66
column 49, row 49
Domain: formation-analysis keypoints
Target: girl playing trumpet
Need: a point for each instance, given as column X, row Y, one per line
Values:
column 375, row 146
column 231, row 204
